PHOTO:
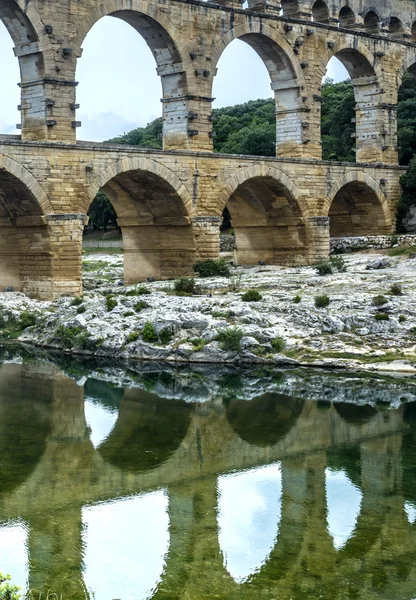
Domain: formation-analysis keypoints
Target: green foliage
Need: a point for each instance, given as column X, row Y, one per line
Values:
column 251, row 296
column 278, row 344
column 402, row 319
column 8, row 591
column 27, row 319
column 338, row 263
column 297, row 299
column 198, row 344
column 338, row 111
column 230, row 338
column 141, row 305
column 379, row 300
column 212, row 268
column 322, row 301
column 407, row 200
column 406, row 119
column 149, row 332
column 402, row 251
column 81, row 310
column 396, row 290
column 101, row 213
column 128, row 313
column 110, row 303
column 68, row 335
column 165, row 336
column 132, row 337
column 146, row 137
column 324, row 268
column 184, row 285
column 77, row 301
column 381, row 316
column 142, row 290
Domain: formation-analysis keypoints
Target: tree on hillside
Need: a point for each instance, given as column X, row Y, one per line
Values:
column 338, row 128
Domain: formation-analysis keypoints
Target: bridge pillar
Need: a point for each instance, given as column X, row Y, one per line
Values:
column 187, row 123
column 207, row 236
column 318, row 238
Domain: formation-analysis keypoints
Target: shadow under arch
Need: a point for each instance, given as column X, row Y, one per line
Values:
column 354, row 414
column 357, row 206
column 266, row 420
column 154, row 213
column 25, row 424
column 165, row 43
column 149, row 429
column 268, row 216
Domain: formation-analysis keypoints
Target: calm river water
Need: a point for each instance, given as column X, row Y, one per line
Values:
column 201, row 484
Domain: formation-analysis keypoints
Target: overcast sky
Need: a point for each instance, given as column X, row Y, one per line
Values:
column 118, row 87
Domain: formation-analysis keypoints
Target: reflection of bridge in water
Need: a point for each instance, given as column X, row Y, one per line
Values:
column 52, row 470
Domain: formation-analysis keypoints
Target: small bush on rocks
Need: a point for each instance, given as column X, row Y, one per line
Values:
column 396, row 290
column 379, row 300
column 212, row 268
column 141, row 305
column 128, row 313
column 402, row 319
column 132, row 337
column 77, row 301
column 149, row 332
column 111, row 303
column 67, row 335
column 297, row 299
column 142, row 290
column 198, row 344
column 338, row 263
column 251, row 296
column 230, row 338
column 381, row 316
column 81, row 310
column 27, row 319
column 322, row 301
column 184, row 286
column 324, row 268
column 165, row 336
column 278, row 344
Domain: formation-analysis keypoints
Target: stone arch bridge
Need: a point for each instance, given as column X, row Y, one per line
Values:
column 169, row 203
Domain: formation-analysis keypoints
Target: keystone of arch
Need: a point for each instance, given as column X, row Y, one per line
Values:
column 144, row 7
column 264, row 170
column 144, row 164
column 260, row 28
column 357, row 177
column 26, row 177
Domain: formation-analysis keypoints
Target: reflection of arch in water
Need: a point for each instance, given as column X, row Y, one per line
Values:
column 409, row 455
column 264, row 421
column 148, row 431
column 354, row 414
column 24, row 427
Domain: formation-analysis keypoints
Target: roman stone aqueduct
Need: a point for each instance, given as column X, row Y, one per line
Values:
column 169, row 203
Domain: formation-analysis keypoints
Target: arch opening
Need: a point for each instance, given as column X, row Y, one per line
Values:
column 414, row 32
column 357, row 210
column 10, row 97
column 372, row 22
column 168, row 83
column 153, row 221
column 268, row 223
column 320, row 12
column 396, row 28
column 346, row 17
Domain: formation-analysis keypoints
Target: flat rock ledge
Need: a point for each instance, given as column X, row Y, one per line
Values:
column 284, row 328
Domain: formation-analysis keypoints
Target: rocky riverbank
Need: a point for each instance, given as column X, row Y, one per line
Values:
column 369, row 322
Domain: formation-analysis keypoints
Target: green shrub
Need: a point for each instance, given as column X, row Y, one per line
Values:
column 111, row 303
column 128, row 313
column 149, row 332
column 77, row 301
column 402, row 319
column 212, row 268
column 142, row 290
column 297, row 299
column 184, row 285
column 230, row 338
column 8, row 591
column 132, row 337
column 322, row 301
column 81, row 310
column 198, row 344
column 141, row 305
column 278, row 344
column 379, row 300
column 165, row 336
column 27, row 319
column 338, row 263
column 67, row 335
column 381, row 316
column 396, row 290
column 81, row 340
column 251, row 296
column 324, row 268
